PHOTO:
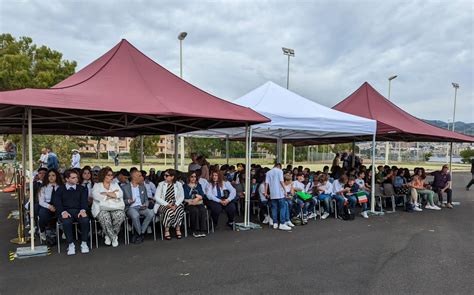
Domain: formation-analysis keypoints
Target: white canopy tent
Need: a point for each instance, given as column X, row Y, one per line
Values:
column 295, row 119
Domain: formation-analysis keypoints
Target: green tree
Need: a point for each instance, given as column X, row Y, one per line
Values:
column 23, row 64
column 204, row 146
column 427, row 156
column 149, row 147
column 467, row 155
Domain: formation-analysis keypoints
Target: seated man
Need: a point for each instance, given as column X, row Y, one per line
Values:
column 441, row 185
column 71, row 204
column 136, row 205
column 356, row 195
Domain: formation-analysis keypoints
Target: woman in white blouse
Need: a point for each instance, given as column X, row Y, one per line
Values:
column 169, row 199
column 46, row 210
column 221, row 194
column 108, row 206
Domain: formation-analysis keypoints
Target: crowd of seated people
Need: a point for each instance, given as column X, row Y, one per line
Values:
column 289, row 196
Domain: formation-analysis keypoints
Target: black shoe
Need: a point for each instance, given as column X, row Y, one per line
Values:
column 134, row 238
column 230, row 224
column 139, row 239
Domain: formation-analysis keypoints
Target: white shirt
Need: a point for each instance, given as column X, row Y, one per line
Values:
column 261, row 192
column 45, row 194
column 44, row 160
column 88, row 185
column 193, row 167
column 211, row 192
column 326, row 187
column 150, row 188
column 100, row 199
column 76, row 161
column 203, row 182
column 298, row 186
column 360, row 183
column 136, row 196
column 274, row 178
column 337, row 186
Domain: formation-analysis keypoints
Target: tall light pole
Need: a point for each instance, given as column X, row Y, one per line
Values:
column 181, row 37
column 456, row 86
column 387, row 147
column 290, row 53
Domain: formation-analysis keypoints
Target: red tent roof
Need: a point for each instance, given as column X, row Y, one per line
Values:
column 393, row 123
column 125, row 81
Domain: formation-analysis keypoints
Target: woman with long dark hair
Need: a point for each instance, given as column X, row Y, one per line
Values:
column 47, row 211
column 220, row 200
column 194, row 200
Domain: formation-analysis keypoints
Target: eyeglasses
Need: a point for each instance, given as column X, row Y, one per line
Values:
column 166, row 175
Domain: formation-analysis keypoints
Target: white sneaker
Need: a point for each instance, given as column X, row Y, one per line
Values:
column 428, row 206
column 364, row 214
column 115, row 241
column 275, row 226
column 290, row 224
column 311, row 215
column 84, row 248
column 434, row 207
column 270, row 221
column 148, row 230
column 284, row 227
column 107, row 240
column 71, row 249
column 43, row 236
column 325, row 215
column 265, row 221
column 418, row 209
column 63, row 236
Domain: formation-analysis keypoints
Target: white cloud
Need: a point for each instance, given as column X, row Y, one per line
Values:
column 234, row 46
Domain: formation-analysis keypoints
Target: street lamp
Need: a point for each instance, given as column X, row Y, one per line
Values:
column 456, row 87
column 387, row 146
column 181, row 37
column 290, row 53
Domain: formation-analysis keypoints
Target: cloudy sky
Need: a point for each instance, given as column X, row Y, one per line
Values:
column 234, row 46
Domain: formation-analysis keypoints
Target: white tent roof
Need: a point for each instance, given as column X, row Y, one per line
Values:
column 293, row 117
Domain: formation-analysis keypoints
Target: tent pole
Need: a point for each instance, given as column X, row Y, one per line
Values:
column 23, row 144
column 176, row 151
column 353, row 154
column 227, row 149
column 285, row 152
column 248, row 156
column 279, row 149
column 372, row 179
column 30, row 156
column 293, row 155
column 451, row 162
column 182, row 153
column 141, row 152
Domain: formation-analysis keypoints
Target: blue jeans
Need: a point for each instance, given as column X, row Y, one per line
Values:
column 302, row 204
column 325, row 199
column 340, row 203
column 352, row 201
column 282, row 205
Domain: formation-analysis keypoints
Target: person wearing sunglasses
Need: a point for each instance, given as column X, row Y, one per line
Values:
column 108, row 206
column 194, row 198
column 169, row 199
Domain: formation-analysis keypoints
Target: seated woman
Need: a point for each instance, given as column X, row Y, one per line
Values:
column 47, row 211
column 194, row 198
column 218, row 200
column 418, row 186
column 169, row 199
column 108, row 205
column 325, row 190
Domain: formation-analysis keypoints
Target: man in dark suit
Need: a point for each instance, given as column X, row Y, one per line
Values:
column 136, row 205
column 71, row 204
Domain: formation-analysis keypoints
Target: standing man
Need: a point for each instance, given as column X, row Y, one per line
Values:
column 441, row 185
column 43, row 158
column 275, row 182
column 53, row 162
column 71, row 204
column 194, row 165
column 472, row 172
column 76, row 159
column 136, row 205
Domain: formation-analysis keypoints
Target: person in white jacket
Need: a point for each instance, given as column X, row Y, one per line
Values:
column 169, row 199
column 108, row 206
column 221, row 194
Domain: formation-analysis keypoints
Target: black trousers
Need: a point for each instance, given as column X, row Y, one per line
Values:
column 197, row 217
column 68, row 225
column 449, row 193
column 470, row 182
column 217, row 208
column 45, row 217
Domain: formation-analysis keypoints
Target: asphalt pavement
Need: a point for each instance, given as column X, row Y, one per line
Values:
column 431, row 252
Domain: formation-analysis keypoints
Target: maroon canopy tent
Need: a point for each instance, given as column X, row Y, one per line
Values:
column 122, row 93
column 394, row 124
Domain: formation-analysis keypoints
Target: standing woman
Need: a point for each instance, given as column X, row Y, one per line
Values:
column 193, row 198
column 46, row 210
column 108, row 205
column 169, row 199
column 204, row 167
